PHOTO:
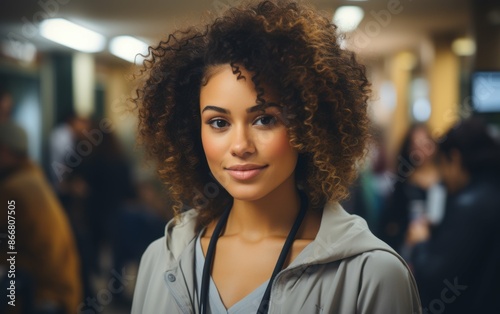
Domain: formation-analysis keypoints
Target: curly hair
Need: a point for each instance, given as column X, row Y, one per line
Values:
column 288, row 47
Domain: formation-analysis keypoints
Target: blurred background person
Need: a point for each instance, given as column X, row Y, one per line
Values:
column 47, row 265
column 115, row 221
column 63, row 140
column 107, row 175
column 415, row 175
column 457, row 267
column 368, row 194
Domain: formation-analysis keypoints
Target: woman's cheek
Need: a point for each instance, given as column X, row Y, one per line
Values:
column 279, row 145
column 214, row 152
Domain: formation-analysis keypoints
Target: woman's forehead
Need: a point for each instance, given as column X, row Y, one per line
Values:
column 270, row 96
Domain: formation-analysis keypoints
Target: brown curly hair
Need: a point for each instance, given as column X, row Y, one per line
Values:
column 287, row 46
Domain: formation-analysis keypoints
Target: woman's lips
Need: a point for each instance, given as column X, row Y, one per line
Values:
column 245, row 174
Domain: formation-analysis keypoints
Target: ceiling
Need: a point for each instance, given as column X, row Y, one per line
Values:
column 152, row 20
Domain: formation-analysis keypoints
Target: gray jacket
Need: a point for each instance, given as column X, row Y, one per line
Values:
column 345, row 270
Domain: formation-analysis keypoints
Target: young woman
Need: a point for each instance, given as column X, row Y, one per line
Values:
column 411, row 198
column 257, row 120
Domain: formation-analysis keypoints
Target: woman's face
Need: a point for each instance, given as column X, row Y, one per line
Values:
column 422, row 146
column 247, row 147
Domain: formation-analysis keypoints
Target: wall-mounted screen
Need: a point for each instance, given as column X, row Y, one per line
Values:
column 486, row 91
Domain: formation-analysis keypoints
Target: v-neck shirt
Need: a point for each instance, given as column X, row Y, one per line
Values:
column 249, row 304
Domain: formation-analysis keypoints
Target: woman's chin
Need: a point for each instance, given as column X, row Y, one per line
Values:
column 247, row 194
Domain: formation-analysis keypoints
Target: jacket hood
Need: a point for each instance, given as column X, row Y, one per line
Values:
column 341, row 235
column 179, row 232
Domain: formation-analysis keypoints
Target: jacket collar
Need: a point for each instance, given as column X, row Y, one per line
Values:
column 341, row 235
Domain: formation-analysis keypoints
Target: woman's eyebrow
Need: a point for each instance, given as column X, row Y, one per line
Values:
column 261, row 107
column 249, row 110
column 215, row 108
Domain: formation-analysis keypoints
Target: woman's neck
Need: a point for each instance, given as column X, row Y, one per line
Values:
column 270, row 216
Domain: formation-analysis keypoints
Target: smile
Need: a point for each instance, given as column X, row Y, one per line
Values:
column 245, row 172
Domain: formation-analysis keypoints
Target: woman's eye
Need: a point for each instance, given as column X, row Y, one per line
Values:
column 265, row 120
column 218, row 123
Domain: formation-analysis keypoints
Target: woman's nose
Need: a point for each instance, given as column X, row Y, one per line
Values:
column 242, row 143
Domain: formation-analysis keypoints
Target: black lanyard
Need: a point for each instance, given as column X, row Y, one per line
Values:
column 207, row 267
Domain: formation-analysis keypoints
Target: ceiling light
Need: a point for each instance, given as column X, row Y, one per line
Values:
column 348, row 17
column 463, row 47
column 128, row 48
column 72, row 35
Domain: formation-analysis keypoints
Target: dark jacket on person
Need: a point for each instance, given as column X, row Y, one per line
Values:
column 396, row 216
column 458, row 269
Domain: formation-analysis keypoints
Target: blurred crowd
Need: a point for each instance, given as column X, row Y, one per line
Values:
column 83, row 225
column 439, row 206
